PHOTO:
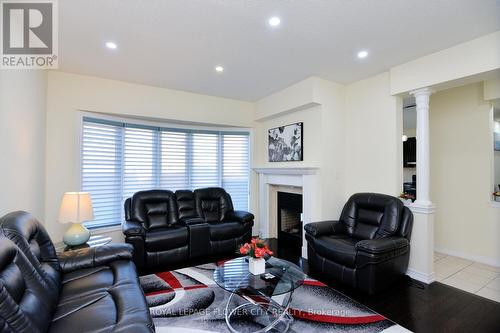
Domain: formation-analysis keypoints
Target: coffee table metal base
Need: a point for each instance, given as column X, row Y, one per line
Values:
column 270, row 307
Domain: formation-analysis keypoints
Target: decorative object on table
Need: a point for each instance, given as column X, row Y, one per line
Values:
column 256, row 251
column 496, row 195
column 285, row 143
column 406, row 198
column 76, row 208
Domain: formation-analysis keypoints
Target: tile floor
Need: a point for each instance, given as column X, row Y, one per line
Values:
column 476, row 278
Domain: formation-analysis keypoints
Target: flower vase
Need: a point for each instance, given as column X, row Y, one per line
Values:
column 256, row 266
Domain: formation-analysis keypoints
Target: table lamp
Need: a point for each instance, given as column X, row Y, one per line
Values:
column 76, row 207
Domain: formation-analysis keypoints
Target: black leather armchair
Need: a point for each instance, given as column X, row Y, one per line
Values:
column 96, row 289
column 167, row 228
column 368, row 248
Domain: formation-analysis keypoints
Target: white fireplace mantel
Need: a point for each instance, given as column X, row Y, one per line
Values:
column 307, row 178
column 287, row 171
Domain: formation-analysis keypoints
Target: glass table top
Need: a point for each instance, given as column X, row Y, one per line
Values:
column 233, row 276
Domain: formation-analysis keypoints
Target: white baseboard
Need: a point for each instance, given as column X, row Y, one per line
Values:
column 426, row 278
column 481, row 259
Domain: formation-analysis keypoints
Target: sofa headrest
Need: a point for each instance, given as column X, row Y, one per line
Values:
column 186, row 204
column 213, row 203
column 154, row 208
column 372, row 215
column 32, row 238
column 28, row 301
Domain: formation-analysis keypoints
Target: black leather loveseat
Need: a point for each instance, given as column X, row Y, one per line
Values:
column 168, row 228
column 88, row 290
column 368, row 248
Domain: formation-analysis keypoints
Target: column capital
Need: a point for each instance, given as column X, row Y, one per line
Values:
column 422, row 92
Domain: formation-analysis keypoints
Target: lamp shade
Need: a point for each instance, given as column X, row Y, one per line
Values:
column 76, row 207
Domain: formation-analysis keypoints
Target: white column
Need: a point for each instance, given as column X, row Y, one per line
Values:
column 423, row 147
column 421, row 265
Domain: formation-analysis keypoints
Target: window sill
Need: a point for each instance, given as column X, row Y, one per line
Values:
column 495, row 204
column 104, row 229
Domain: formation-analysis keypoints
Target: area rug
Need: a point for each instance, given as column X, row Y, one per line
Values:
column 189, row 301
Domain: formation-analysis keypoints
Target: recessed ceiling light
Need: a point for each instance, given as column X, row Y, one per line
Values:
column 362, row 54
column 111, row 45
column 274, row 21
column 219, row 69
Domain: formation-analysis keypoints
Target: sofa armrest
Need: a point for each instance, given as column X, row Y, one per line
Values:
column 240, row 216
column 131, row 228
column 382, row 245
column 94, row 256
column 317, row 229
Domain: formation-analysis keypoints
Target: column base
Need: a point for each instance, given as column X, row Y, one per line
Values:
column 421, row 265
column 422, row 207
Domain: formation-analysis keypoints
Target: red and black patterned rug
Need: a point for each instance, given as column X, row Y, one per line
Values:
column 188, row 300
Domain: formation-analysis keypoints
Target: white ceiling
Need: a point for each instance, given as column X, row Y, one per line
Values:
column 176, row 43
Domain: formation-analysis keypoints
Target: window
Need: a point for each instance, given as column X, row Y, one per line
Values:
column 119, row 159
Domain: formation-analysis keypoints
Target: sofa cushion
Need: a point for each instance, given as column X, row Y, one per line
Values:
column 337, row 248
column 154, row 209
column 186, row 204
column 371, row 215
column 32, row 238
column 166, row 238
column 27, row 299
column 112, row 305
column 96, row 279
column 226, row 230
column 213, row 203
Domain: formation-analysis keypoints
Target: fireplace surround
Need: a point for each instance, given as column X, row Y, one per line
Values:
column 304, row 180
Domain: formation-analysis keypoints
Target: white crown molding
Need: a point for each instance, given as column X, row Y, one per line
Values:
column 287, row 171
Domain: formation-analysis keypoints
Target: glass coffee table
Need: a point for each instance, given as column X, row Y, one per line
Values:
column 263, row 302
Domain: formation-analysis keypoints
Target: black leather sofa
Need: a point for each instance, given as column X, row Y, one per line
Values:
column 168, row 228
column 87, row 290
column 368, row 248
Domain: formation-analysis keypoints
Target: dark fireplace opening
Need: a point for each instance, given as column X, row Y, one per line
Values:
column 290, row 223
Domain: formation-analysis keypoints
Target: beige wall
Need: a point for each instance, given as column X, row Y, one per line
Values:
column 312, row 138
column 70, row 93
column 320, row 105
column 465, row 222
column 374, row 146
column 22, row 140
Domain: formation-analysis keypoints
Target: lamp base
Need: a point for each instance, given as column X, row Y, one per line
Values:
column 77, row 234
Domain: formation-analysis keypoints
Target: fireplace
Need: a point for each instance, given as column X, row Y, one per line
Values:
column 289, row 216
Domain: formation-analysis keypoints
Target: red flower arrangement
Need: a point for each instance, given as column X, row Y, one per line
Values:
column 257, row 248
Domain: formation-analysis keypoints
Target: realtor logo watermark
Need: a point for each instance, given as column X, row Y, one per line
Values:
column 29, row 34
